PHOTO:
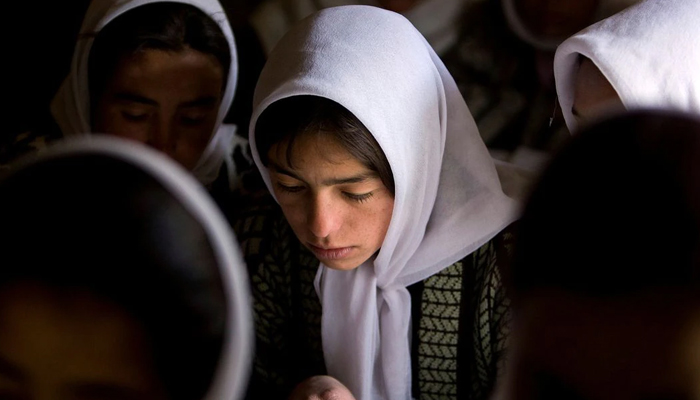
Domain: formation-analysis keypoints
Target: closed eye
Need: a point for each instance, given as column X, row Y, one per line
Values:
column 290, row 188
column 360, row 198
column 191, row 121
column 134, row 117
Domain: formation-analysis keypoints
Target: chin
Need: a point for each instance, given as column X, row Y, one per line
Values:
column 341, row 265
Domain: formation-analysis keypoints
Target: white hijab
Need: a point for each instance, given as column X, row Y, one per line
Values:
column 650, row 54
column 448, row 199
column 231, row 376
column 71, row 105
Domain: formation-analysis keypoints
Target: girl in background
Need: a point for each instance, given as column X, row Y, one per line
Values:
column 646, row 56
column 161, row 73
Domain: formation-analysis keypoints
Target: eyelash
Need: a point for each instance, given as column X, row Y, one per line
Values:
column 134, row 117
column 192, row 121
column 290, row 189
column 360, row 198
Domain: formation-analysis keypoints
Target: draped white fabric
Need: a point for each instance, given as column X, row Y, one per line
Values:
column 448, row 198
column 650, row 54
column 71, row 105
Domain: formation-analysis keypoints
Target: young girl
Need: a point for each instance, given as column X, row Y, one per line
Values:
column 644, row 57
column 126, row 285
column 383, row 272
column 161, row 73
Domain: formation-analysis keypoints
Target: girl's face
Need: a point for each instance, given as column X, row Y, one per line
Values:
column 59, row 345
column 167, row 100
column 556, row 19
column 338, row 208
column 594, row 96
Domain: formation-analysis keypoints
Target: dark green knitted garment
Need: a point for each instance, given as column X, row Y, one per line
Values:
column 459, row 315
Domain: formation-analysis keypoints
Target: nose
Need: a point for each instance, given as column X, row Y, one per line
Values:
column 324, row 216
column 161, row 135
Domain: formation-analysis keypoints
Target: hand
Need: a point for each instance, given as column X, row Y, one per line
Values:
column 321, row 387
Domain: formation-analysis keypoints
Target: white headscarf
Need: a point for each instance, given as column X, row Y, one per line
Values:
column 231, row 376
column 448, row 199
column 71, row 105
column 650, row 54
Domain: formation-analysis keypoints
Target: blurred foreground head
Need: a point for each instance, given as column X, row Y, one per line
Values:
column 119, row 280
column 606, row 278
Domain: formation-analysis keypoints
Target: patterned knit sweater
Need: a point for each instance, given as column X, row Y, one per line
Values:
column 460, row 315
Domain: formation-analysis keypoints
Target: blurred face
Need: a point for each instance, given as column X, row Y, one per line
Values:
column 638, row 348
column 594, row 96
column 59, row 345
column 338, row 208
column 398, row 6
column 556, row 18
column 168, row 100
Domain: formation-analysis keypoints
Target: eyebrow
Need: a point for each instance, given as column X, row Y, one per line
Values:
column 205, row 101
column 11, row 371
column 200, row 102
column 329, row 182
column 135, row 98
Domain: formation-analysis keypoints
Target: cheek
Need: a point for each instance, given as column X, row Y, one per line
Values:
column 191, row 143
column 294, row 208
column 198, row 138
column 379, row 220
column 384, row 217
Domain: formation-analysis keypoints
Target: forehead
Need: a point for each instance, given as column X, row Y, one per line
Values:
column 186, row 70
column 591, row 84
column 317, row 151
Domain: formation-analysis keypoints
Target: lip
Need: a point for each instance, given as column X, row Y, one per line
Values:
column 337, row 253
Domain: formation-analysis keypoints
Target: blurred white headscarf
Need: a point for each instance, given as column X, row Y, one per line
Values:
column 231, row 375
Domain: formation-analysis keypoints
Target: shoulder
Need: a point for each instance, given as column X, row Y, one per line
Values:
column 258, row 222
column 268, row 242
column 489, row 259
column 506, row 238
column 15, row 146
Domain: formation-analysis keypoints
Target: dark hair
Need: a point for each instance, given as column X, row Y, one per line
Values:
column 164, row 26
column 617, row 211
column 98, row 224
column 286, row 119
